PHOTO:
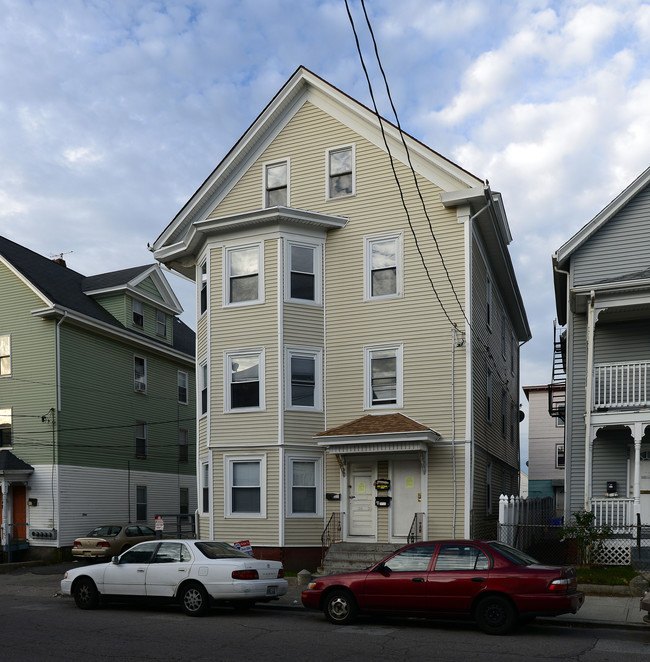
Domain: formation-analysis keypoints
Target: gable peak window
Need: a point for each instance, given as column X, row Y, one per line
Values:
column 340, row 172
column 276, row 184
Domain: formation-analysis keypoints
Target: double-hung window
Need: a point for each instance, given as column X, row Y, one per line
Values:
column 244, row 380
column 340, row 172
column 161, row 323
column 183, row 445
column 141, row 440
column 383, row 266
column 304, row 369
column 203, row 297
column 139, row 374
column 276, row 184
column 5, row 355
column 303, row 272
column 383, row 376
column 137, row 313
column 141, row 503
column 182, row 387
column 205, row 487
column 203, row 385
column 559, row 456
column 243, row 275
column 5, row 428
column 304, row 486
column 245, row 496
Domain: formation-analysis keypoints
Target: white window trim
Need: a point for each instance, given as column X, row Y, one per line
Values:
column 187, row 387
column 164, row 323
column 398, row 348
column 266, row 165
column 227, row 356
column 7, row 374
column 367, row 264
column 204, row 383
column 206, row 483
column 144, row 381
column 226, row 275
column 328, row 151
column 228, row 461
column 557, row 455
column 137, row 302
column 317, row 354
column 318, row 460
column 318, row 270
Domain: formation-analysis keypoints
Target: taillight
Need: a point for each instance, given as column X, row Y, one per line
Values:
column 102, row 543
column 245, row 574
column 76, row 543
column 280, row 573
column 559, row 585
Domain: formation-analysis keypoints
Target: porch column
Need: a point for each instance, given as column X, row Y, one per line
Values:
column 589, row 433
column 638, row 435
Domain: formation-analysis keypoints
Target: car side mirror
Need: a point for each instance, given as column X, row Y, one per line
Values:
column 382, row 568
column 115, row 560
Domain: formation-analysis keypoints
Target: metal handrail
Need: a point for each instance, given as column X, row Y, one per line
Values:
column 415, row 532
column 331, row 534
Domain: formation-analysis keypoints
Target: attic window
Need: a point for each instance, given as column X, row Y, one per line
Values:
column 138, row 313
column 161, row 323
column 340, row 172
column 276, row 184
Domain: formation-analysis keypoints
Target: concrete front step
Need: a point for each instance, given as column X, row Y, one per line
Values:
column 348, row 557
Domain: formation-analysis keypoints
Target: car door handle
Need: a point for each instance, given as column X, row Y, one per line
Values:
column 140, row 569
column 418, row 579
column 479, row 580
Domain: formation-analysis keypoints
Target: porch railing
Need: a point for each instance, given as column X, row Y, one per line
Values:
column 621, row 384
column 617, row 513
column 415, row 532
column 331, row 534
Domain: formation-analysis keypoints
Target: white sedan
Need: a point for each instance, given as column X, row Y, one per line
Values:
column 193, row 573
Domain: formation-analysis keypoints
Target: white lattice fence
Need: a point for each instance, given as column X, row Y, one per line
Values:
column 614, row 552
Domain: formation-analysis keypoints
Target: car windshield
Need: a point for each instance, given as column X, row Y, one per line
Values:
column 104, row 532
column 220, row 550
column 515, row 555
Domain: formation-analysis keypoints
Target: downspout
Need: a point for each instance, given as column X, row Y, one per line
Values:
column 588, row 398
column 55, row 436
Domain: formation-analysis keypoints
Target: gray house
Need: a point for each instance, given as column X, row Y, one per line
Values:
column 602, row 290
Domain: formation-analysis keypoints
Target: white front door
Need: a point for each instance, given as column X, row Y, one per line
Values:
column 406, row 490
column 361, row 501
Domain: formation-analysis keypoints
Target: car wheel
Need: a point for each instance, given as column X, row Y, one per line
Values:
column 194, row 599
column 86, row 595
column 341, row 607
column 496, row 615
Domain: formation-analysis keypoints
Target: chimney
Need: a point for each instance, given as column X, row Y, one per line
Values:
column 61, row 261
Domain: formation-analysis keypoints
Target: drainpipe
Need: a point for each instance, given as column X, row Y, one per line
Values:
column 588, row 399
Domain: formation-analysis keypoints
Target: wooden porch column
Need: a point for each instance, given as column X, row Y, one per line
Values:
column 638, row 435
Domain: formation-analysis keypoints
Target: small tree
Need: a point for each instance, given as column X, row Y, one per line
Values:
column 589, row 538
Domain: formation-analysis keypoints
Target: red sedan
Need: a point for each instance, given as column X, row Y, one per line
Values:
column 494, row 584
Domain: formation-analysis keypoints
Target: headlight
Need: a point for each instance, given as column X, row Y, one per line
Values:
column 312, row 585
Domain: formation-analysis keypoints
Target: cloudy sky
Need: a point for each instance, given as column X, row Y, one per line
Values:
column 113, row 112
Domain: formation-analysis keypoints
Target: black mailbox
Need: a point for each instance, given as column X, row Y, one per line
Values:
column 382, row 501
column 612, row 487
column 382, row 484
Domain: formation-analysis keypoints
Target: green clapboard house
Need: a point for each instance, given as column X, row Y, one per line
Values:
column 97, row 401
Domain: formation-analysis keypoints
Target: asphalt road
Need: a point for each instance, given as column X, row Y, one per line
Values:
column 38, row 624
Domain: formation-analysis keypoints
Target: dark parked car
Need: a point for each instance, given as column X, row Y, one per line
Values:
column 494, row 584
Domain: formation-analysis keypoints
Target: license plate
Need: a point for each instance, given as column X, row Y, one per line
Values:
column 271, row 590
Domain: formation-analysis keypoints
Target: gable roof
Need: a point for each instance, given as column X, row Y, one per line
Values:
column 60, row 287
column 304, row 86
column 562, row 257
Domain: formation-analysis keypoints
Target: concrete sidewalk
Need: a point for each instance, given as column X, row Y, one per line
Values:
column 599, row 610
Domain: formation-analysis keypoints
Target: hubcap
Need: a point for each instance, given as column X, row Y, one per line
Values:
column 339, row 608
column 193, row 599
column 494, row 615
